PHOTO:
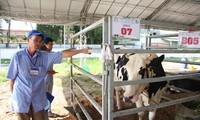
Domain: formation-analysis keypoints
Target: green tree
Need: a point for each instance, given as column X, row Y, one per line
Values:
column 14, row 38
column 53, row 31
column 94, row 36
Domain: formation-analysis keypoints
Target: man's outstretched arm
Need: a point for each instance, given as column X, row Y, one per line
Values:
column 69, row 53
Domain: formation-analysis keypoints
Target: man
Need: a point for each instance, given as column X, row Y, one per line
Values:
column 47, row 46
column 27, row 71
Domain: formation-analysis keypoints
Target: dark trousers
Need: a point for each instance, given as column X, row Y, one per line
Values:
column 40, row 115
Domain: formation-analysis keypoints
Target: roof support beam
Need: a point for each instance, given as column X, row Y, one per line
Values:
column 85, row 8
column 33, row 17
column 165, row 25
column 192, row 1
column 25, row 6
column 70, row 2
column 197, row 23
column 54, row 12
column 165, row 4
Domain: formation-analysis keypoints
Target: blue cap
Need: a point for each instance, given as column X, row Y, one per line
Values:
column 37, row 33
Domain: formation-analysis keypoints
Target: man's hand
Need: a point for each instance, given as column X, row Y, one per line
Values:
column 72, row 52
column 86, row 50
column 51, row 72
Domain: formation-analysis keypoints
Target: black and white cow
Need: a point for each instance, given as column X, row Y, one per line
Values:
column 139, row 66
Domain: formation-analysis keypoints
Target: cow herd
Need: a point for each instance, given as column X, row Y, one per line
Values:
column 136, row 66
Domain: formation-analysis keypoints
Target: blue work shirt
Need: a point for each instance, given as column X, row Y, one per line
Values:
column 30, row 89
column 49, row 77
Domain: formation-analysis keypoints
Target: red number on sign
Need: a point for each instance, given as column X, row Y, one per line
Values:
column 190, row 40
column 196, row 41
column 125, row 31
column 129, row 31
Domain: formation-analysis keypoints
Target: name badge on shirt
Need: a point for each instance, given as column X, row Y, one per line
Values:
column 34, row 71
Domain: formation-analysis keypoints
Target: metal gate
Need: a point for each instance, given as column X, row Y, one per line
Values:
column 108, row 84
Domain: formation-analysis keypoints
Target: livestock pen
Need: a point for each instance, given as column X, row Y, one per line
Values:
column 106, row 80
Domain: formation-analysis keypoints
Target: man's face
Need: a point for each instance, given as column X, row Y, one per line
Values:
column 49, row 46
column 34, row 42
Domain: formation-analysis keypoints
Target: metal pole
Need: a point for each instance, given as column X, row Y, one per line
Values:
column 146, row 44
column 64, row 37
column 104, row 75
column 81, row 41
column 110, row 75
column 0, row 59
column 149, row 43
column 93, row 77
column 71, row 74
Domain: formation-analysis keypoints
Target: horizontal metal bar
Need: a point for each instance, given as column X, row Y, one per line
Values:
column 122, row 51
column 171, row 73
column 163, row 36
column 82, row 107
column 180, row 89
column 89, row 97
column 196, row 117
column 92, row 26
column 187, row 62
column 77, row 114
column 183, row 73
column 157, row 79
column 167, row 25
column 93, row 77
column 155, row 106
column 161, row 47
column 166, row 98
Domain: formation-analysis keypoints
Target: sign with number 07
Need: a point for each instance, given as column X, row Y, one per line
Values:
column 126, row 27
column 189, row 39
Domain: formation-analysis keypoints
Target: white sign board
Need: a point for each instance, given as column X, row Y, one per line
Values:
column 125, row 27
column 189, row 39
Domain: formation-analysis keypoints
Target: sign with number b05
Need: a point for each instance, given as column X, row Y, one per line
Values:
column 126, row 27
column 189, row 39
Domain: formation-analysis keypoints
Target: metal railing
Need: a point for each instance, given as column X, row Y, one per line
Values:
column 108, row 83
column 102, row 109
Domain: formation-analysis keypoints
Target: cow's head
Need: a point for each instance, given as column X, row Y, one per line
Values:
column 135, row 67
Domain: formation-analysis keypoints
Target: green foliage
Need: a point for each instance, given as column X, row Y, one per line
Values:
column 3, row 79
column 53, row 31
column 3, row 73
column 3, row 76
column 94, row 36
column 5, row 61
column 63, row 69
column 74, row 28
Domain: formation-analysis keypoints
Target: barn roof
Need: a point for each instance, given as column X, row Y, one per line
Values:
column 169, row 14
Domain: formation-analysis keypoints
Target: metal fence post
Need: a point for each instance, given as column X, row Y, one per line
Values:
column 111, row 73
column 105, row 73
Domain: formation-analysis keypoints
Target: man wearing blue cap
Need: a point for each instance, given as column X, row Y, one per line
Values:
column 27, row 71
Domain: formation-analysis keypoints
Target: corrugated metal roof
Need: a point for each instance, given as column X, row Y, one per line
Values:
column 169, row 14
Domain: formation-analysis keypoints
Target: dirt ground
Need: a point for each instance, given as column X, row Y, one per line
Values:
column 61, row 104
column 61, row 107
column 58, row 105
